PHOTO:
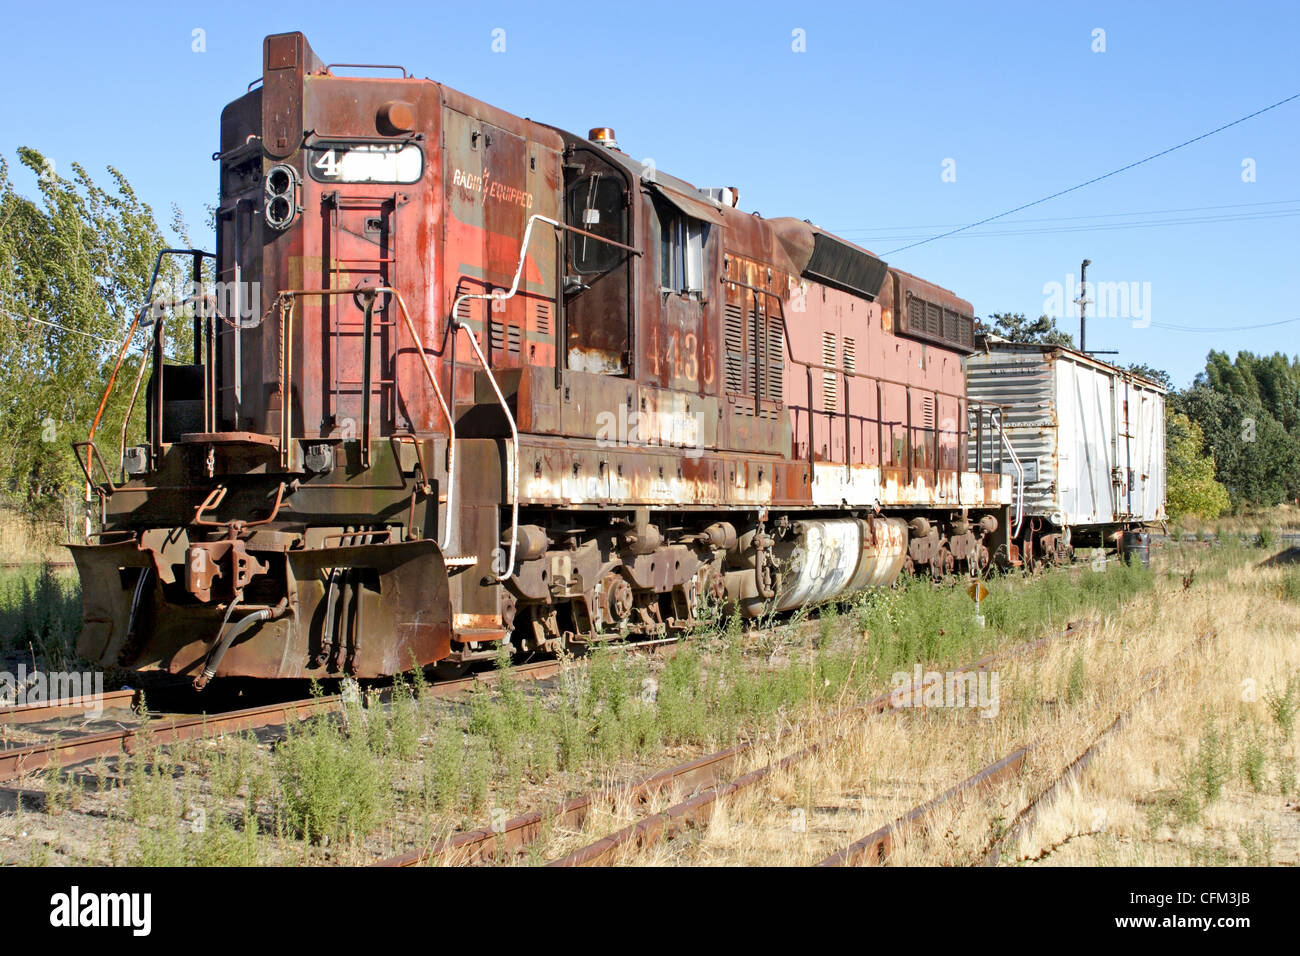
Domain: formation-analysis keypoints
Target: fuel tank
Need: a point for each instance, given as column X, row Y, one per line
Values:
column 824, row 558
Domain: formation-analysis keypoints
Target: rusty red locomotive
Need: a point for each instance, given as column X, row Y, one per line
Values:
column 481, row 380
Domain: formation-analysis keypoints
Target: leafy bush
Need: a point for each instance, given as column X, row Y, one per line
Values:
column 1190, row 484
column 40, row 607
column 332, row 784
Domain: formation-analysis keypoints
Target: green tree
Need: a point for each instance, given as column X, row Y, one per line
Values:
column 74, row 266
column 1269, row 382
column 1151, row 373
column 1016, row 328
column 1190, row 485
column 1256, row 456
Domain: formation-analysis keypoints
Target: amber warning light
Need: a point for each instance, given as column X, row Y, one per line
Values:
column 603, row 135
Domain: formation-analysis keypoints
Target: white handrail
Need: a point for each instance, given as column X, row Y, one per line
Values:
column 446, row 410
column 996, row 417
column 492, row 379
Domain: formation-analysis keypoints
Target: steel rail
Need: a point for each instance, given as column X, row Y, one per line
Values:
column 14, row 763
column 877, row 846
column 38, row 711
column 1154, row 679
column 698, row 807
column 73, row 750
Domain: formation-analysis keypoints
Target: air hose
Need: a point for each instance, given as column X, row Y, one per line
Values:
column 227, row 637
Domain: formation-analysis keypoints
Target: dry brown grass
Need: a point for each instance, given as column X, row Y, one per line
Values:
column 1284, row 518
column 24, row 540
column 1133, row 805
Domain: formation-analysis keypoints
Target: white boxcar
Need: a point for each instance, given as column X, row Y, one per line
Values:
column 1090, row 437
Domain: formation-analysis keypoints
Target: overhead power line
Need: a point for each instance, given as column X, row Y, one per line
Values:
column 1099, row 215
column 1223, row 328
column 1108, row 226
column 1097, row 179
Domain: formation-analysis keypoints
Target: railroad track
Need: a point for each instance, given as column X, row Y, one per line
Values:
column 877, row 847
column 1155, row 680
column 70, row 746
column 41, row 711
column 707, row 778
column 64, row 751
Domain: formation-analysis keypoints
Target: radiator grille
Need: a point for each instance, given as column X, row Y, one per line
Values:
column 735, row 348
column 830, row 390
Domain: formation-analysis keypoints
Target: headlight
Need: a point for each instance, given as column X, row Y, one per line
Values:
column 281, row 206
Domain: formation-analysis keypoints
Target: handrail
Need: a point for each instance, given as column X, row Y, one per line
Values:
column 877, row 379
column 446, row 410
column 995, row 416
column 214, row 498
column 198, row 254
column 157, row 344
column 130, row 411
column 329, row 67
column 454, row 323
column 829, row 368
column 99, row 412
column 286, row 297
column 93, row 457
column 218, row 495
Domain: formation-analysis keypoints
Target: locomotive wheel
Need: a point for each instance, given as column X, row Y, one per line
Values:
column 711, row 586
column 943, row 564
column 616, row 598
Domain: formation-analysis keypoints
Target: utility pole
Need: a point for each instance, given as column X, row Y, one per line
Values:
column 1082, row 302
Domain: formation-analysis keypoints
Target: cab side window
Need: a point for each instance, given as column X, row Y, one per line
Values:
column 595, row 205
column 682, row 241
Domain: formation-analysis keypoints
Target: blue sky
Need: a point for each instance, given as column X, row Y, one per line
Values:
column 852, row 133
